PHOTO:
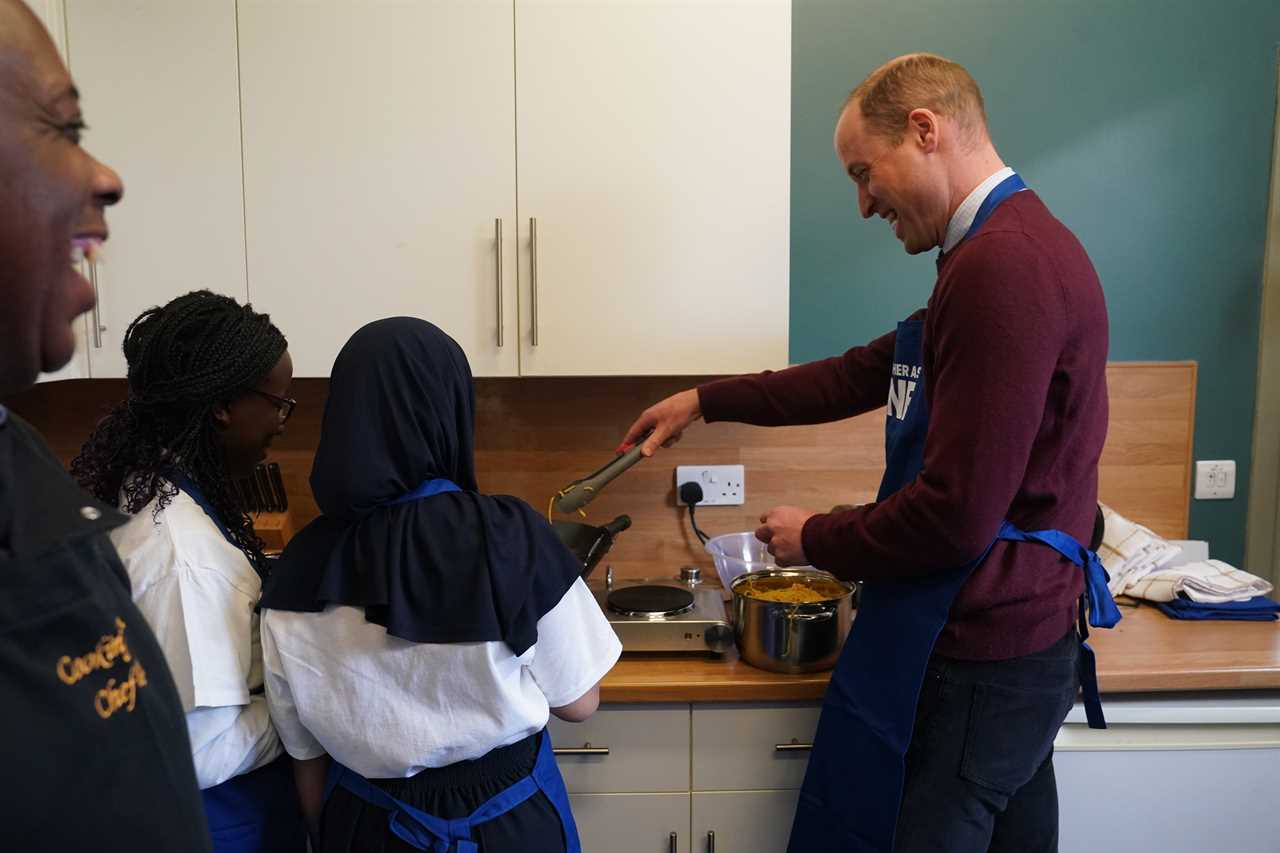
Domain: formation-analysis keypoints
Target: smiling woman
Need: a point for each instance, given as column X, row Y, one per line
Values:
column 208, row 392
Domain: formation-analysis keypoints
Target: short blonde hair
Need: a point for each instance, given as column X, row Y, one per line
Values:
column 919, row 81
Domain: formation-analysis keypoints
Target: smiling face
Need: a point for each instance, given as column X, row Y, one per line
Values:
column 53, row 203
column 903, row 182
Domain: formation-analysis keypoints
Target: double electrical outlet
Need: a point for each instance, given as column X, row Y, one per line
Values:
column 722, row 485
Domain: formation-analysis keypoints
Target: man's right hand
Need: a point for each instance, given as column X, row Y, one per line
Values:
column 664, row 421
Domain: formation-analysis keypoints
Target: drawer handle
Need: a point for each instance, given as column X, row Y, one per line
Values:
column 794, row 746
column 672, row 846
column 711, row 842
column 585, row 749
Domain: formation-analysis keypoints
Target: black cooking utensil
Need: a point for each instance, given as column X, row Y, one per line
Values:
column 588, row 542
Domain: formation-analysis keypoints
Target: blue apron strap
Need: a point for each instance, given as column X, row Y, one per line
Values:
column 546, row 773
column 1101, row 608
column 183, row 482
column 423, row 831
column 414, row 827
column 1103, row 612
column 426, row 489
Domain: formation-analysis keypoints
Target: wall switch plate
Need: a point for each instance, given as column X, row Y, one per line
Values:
column 1215, row 479
column 722, row 485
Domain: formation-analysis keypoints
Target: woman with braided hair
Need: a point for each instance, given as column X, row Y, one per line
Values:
column 208, row 380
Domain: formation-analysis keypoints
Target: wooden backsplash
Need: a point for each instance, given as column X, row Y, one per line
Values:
column 534, row 435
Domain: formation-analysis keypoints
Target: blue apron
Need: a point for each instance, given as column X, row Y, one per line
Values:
column 852, row 789
column 423, row 831
column 255, row 812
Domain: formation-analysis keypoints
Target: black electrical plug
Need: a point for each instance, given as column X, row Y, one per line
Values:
column 691, row 495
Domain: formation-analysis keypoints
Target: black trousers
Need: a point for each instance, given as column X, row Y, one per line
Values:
column 979, row 771
column 350, row 825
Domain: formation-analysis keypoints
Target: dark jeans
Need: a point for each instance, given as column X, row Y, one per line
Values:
column 979, row 771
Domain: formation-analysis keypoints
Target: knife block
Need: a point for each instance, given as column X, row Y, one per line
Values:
column 275, row 529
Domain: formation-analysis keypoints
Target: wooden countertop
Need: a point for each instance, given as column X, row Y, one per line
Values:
column 1146, row 652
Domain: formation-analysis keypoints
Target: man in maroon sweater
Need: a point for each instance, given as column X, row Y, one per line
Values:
column 1013, row 363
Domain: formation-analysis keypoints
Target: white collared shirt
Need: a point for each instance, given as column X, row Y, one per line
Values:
column 198, row 592
column 387, row 708
column 963, row 218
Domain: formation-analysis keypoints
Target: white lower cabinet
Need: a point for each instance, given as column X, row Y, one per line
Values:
column 742, row 821
column 689, row 779
column 632, row 823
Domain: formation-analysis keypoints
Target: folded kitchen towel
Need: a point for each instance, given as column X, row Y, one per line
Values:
column 1204, row 582
column 1256, row 609
column 1129, row 551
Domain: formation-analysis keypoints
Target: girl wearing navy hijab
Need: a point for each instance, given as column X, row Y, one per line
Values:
column 417, row 636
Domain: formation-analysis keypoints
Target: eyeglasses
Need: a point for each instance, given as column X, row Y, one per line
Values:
column 284, row 405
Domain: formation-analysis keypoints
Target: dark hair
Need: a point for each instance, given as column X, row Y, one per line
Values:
column 185, row 358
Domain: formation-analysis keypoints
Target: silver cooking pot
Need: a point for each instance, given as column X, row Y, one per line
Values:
column 784, row 637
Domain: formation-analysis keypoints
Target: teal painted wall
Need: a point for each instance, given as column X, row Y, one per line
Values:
column 1146, row 126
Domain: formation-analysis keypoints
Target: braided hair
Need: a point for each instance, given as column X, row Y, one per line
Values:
column 184, row 359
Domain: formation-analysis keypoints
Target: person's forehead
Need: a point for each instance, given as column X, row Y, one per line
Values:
column 850, row 139
column 30, row 65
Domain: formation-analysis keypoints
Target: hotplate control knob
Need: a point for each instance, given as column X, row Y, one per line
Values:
column 719, row 638
column 691, row 574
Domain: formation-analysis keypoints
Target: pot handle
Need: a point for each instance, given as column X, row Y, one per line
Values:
column 810, row 617
column 794, row 617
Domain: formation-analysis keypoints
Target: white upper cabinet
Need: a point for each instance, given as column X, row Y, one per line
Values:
column 157, row 81
column 379, row 152
column 654, row 155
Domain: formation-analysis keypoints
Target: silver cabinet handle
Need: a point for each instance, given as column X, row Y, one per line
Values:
column 533, row 276
column 794, row 746
column 672, row 847
column 497, row 239
column 98, row 328
column 585, row 749
column 711, row 841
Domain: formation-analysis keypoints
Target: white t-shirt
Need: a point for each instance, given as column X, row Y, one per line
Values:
column 198, row 592
column 388, row 708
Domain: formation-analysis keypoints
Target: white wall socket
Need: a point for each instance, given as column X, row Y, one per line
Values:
column 722, row 485
column 1215, row 479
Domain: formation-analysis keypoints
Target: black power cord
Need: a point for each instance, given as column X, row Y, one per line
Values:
column 691, row 495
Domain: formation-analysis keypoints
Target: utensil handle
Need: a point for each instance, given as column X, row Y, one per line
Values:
column 580, row 493
column 794, row 746
column 533, row 277
column 497, row 243
column 585, row 749
column 98, row 328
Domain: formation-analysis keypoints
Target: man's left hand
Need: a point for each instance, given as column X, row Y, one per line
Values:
column 780, row 530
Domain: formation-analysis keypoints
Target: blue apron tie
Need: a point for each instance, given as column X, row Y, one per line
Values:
column 423, row 831
column 852, row 788
column 437, row 486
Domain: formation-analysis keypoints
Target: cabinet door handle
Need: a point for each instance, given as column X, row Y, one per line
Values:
column 711, row 841
column 672, row 846
column 533, row 276
column 98, row 328
column 794, row 746
column 585, row 749
column 497, row 239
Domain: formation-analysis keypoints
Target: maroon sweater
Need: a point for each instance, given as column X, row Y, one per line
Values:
column 1015, row 350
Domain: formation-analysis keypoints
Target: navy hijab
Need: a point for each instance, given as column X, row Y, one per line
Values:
column 451, row 568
